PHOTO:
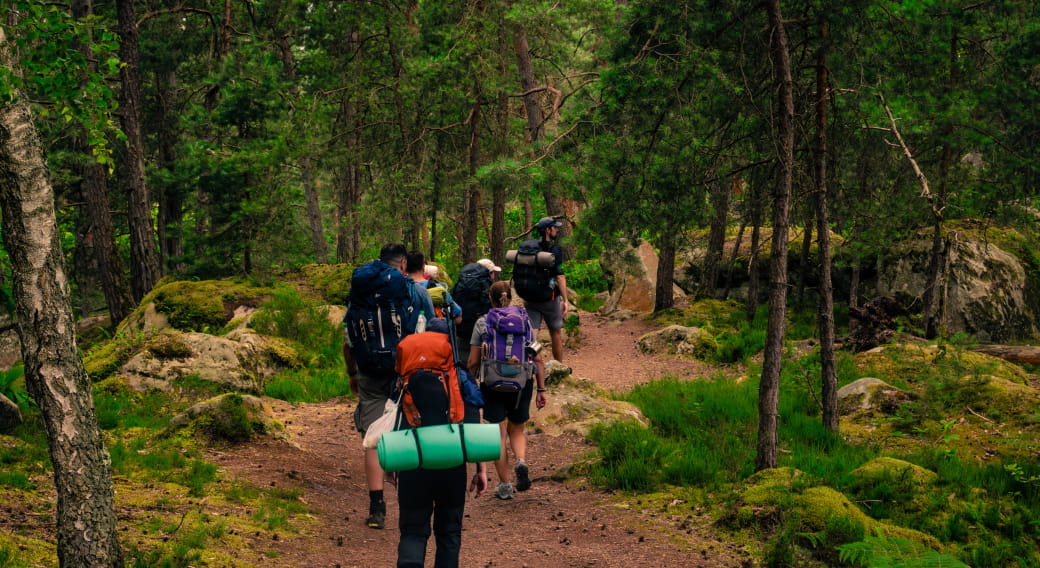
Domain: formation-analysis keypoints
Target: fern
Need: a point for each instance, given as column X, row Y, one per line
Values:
column 883, row 552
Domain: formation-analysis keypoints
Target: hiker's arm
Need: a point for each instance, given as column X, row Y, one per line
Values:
column 473, row 364
column 539, row 383
column 352, row 372
column 479, row 484
column 561, row 285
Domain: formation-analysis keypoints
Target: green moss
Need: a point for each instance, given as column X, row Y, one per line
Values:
column 168, row 346
column 203, row 306
column 330, row 281
column 107, row 358
column 891, row 468
column 23, row 551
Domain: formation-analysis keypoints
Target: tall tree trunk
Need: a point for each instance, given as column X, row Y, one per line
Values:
column 348, row 181
column 144, row 256
column 54, row 374
column 101, row 231
column 828, row 370
column 769, row 385
column 471, row 206
column 753, row 257
column 171, row 198
column 536, row 120
column 716, row 238
column 803, row 263
column 663, row 297
column 934, row 300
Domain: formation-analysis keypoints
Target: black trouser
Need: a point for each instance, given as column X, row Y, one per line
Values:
column 423, row 493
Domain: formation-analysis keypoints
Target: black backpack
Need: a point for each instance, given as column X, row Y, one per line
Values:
column 532, row 271
column 471, row 294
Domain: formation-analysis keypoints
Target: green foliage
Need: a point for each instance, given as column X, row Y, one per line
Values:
column 12, row 385
column 630, row 456
column 309, row 385
column 889, row 552
column 289, row 316
column 738, row 346
column 228, row 422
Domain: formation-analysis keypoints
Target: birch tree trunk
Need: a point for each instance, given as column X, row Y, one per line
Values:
column 54, row 375
column 769, row 385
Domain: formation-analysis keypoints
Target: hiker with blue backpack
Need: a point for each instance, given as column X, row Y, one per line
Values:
column 539, row 280
column 384, row 307
column 504, row 356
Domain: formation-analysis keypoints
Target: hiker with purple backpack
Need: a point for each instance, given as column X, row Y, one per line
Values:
column 504, row 355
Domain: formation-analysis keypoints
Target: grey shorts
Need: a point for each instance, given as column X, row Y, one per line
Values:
column 372, row 395
column 551, row 311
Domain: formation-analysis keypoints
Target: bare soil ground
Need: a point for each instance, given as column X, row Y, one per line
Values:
column 554, row 524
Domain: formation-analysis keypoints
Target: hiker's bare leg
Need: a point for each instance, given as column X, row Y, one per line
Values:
column 556, row 336
column 517, row 439
column 502, row 463
column 373, row 471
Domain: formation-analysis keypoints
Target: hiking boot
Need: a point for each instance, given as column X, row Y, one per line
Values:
column 504, row 491
column 523, row 480
column 376, row 515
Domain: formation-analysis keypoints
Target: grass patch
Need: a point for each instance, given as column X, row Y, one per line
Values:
column 703, row 435
column 309, row 385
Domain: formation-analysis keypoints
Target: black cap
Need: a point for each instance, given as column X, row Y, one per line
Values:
column 546, row 222
column 440, row 325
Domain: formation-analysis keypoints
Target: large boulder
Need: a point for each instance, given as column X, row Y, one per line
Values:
column 869, row 393
column 633, row 279
column 575, row 405
column 987, row 292
column 242, row 359
column 10, row 415
column 679, row 340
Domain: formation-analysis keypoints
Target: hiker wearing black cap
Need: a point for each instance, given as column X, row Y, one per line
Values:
column 542, row 285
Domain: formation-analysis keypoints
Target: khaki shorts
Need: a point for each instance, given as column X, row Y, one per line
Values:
column 551, row 311
column 373, row 393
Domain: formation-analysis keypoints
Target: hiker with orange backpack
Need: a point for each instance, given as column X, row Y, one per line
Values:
column 384, row 307
column 431, row 394
column 504, row 354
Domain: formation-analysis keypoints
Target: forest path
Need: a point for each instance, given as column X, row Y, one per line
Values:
column 553, row 525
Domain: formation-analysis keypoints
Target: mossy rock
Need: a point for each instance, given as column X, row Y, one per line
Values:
column 909, row 477
column 106, row 359
column 231, row 418
column 330, row 281
column 205, row 306
column 902, row 363
column 792, row 492
column 699, row 313
column 679, row 340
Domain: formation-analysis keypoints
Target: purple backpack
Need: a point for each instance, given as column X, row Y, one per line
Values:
column 506, row 365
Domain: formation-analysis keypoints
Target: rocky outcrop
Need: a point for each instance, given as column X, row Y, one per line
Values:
column 679, row 340
column 986, row 288
column 633, row 275
column 575, row 405
column 869, row 393
column 230, row 417
column 242, row 360
column 10, row 415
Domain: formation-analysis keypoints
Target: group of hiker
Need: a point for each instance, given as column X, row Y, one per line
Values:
column 420, row 355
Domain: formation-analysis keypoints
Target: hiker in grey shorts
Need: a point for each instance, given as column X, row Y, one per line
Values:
column 552, row 311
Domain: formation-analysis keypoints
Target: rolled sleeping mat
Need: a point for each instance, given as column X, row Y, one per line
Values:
column 439, row 447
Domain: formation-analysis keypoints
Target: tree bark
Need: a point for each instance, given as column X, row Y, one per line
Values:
column 663, row 296
column 348, row 181
column 1014, row 353
column 471, row 206
column 171, row 198
column 756, row 241
column 716, row 238
column 769, row 385
column 100, row 229
column 828, row 369
column 803, row 262
column 54, row 375
column 536, row 120
column 144, row 255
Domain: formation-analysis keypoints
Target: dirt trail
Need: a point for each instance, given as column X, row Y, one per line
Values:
column 552, row 525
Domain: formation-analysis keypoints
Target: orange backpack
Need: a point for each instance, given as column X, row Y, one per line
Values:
column 428, row 380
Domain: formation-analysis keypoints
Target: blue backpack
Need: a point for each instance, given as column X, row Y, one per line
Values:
column 379, row 315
